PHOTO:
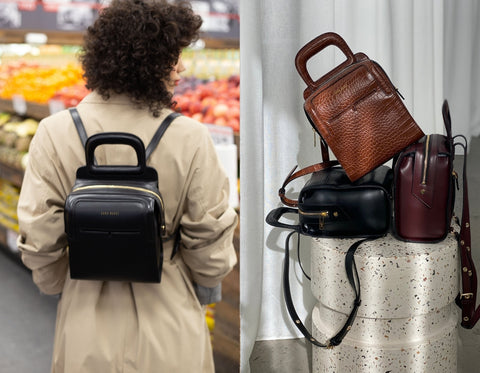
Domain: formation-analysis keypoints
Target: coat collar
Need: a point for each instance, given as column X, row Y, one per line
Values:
column 115, row 99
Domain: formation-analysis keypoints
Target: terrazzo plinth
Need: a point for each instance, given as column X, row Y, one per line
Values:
column 407, row 321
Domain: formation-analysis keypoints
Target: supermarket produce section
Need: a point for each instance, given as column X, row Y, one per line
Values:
column 47, row 79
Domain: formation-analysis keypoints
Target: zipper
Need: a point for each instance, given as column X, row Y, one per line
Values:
column 390, row 80
column 425, row 160
column 163, row 227
column 352, row 66
column 322, row 215
column 108, row 186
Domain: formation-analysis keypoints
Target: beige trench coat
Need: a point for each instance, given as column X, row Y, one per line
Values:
column 129, row 327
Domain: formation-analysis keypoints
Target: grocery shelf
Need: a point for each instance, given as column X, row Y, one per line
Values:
column 54, row 37
column 33, row 110
column 76, row 38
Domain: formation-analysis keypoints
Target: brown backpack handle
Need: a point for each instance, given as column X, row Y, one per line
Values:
column 315, row 46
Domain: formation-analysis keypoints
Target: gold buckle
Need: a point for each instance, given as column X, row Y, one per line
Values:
column 466, row 295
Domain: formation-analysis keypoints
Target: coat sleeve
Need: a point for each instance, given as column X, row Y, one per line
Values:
column 42, row 241
column 208, row 222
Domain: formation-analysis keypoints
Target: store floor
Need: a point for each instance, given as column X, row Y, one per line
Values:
column 294, row 355
column 27, row 320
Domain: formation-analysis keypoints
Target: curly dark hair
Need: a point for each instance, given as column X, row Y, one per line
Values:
column 132, row 47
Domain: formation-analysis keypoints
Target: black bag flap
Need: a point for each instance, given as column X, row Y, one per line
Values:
column 331, row 205
column 335, row 177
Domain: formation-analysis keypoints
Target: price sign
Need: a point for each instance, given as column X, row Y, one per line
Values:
column 12, row 240
column 19, row 104
column 221, row 135
column 55, row 106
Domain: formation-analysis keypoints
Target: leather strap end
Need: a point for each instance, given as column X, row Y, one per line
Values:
column 287, row 179
column 281, row 191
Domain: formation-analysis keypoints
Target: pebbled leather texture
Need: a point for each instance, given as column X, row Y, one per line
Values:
column 356, row 109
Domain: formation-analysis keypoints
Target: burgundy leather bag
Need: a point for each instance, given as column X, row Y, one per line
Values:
column 425, row 187
column 424, row 198
column 355, row 109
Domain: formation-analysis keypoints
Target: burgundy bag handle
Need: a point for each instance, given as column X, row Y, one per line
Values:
column 467, row 298
column 315, row 46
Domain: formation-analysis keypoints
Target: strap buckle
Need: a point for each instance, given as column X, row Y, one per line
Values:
column 466, row 296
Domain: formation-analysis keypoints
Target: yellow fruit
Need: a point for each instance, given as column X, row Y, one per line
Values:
column 39, row 83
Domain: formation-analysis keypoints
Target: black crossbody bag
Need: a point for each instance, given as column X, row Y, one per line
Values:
column 114, row 215
column 331, row 206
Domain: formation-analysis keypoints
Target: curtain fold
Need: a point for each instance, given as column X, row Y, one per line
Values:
column 408, row 39
column 462, row 58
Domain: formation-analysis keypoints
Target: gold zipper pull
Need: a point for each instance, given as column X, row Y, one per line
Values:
column 321, row 219
column 426, row 156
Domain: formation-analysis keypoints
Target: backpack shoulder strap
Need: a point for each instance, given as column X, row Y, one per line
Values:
column 159, row 133
column 79, row 125
column 150, row 148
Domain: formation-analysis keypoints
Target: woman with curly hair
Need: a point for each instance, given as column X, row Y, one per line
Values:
column 132, row 61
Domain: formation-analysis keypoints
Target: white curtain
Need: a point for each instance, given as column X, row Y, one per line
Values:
column 462, row 65
column 418, row 45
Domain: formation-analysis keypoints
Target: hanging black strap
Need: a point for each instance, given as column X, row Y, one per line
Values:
column 353, row 279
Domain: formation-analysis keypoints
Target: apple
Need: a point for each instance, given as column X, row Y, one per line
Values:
column 234, row 123
column 195, row 107
column 220, row 110
column 233, row 112
column 220, row 121
column 198, row 117
column 208, row 101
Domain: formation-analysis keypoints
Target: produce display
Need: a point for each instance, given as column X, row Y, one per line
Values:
column 8, row 205
column 37, row 83
column 16, row 134
column 10, row 69
column 210, row 317
column 214, row 102
column 70, row 96
column 211, row 64
column 209, row 92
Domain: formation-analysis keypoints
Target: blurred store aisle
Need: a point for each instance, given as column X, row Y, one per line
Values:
column 27, row 320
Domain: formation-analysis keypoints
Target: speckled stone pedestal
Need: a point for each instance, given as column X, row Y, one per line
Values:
column 407, row 321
